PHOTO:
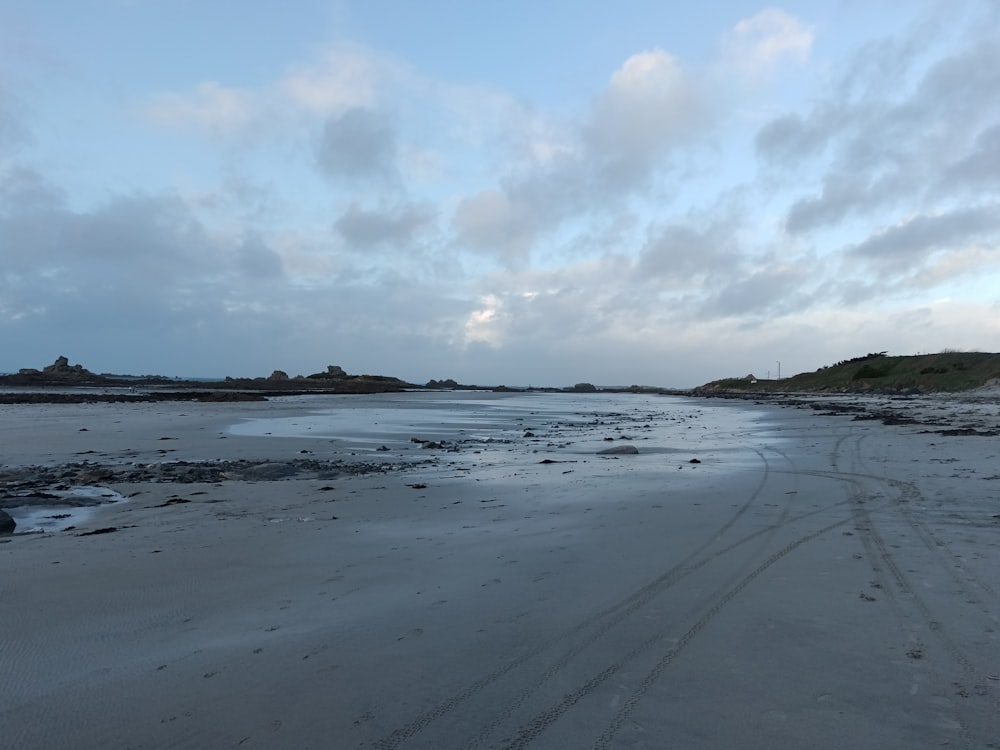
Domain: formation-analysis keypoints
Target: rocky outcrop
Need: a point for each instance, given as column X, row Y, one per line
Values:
column 7, row 524
column 333, row 372
column 448, row 383
column 60, row 373
column 62, row 367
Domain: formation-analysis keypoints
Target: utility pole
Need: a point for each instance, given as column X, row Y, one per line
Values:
column 779, row 369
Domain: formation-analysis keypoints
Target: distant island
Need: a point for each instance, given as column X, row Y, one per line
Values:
column 877, row 372
column 947, row 372
column 58, row 381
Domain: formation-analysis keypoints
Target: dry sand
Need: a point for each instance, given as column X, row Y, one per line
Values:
column 816, row 581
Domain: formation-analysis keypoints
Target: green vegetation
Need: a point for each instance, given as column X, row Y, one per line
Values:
column 924, row 373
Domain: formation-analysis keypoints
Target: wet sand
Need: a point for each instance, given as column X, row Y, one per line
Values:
column 814, row 581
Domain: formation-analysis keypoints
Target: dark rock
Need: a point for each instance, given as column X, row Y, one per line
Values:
column 619, row 450
column 7, row 524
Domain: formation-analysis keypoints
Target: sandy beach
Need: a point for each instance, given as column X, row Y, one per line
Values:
column 466, row 571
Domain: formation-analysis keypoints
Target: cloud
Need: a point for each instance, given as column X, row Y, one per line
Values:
column 398, row 226
column 676, row 256
column 214, row 108
column 789, row 138
column 649, row 104
column 980, row 169
column 757, row 45
column 623, row 146
column 344, row 77
column 908, row 122
column 907, row 244
column 257, row 260
column 492, row 221
column 14, row 132
column 842, row 195
column 775, row 290
column 487, row 323
column 358, row 144
column 25, row 191
column 141, row 248
column 592, row 166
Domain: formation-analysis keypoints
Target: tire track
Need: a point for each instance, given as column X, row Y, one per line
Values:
column 617, row 612
column 542, row 721
column 873, row 540
column 908, row 493
column 678, row 573
column 901, row 579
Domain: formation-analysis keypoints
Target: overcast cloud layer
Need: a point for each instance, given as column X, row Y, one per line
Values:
column 521, row 196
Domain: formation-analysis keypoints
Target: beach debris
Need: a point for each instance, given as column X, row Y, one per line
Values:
column 418, row 486
column 965, row 431
column 695, row 461
column 172, row 501
column 105, row 530
column 619, row 450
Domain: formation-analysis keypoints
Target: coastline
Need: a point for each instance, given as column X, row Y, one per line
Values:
column 828, row 580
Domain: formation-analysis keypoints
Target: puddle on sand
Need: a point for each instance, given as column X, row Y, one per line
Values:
column 56, row 517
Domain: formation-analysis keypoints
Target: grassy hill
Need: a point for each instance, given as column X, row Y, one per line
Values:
column 923, row 373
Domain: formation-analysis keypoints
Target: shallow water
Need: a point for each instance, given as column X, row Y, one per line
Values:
column 526, row 427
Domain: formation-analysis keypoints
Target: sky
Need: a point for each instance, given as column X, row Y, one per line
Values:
column 513, row 192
